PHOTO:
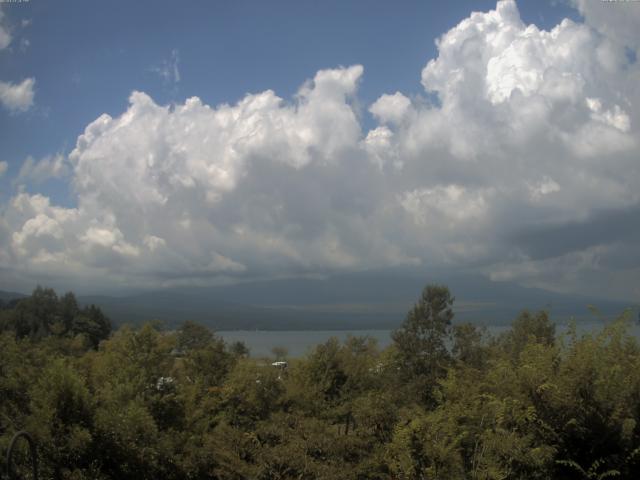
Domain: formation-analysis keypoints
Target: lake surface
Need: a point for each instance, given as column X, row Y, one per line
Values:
column 297, row 342
column 300, row 342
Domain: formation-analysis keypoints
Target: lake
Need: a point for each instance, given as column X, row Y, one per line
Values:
column 300, row 342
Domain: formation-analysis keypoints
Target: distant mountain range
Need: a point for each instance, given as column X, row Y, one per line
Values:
column 368, row 300
column 8, row 296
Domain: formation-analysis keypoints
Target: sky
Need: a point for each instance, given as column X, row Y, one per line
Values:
column 154, row 144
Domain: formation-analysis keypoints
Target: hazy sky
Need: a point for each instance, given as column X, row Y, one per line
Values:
column 147, row 144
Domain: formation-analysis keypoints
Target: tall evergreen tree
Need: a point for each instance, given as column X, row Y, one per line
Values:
column 421, row 341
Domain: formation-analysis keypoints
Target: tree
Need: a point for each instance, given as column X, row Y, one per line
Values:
column 528, row 328
column 43, row 314
column 34, row 315
column 467, row 345
column 239, row 349
column 426, row 446
column 193, row 336
column 421, row 340
column 92, row 323
column 250, row 393
column 62, row 419
column 68, row 309
column 324, row 370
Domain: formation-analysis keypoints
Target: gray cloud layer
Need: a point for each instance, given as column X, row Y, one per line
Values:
column 534, row 136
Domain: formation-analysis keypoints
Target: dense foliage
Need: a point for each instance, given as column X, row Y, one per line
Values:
column 443, row 401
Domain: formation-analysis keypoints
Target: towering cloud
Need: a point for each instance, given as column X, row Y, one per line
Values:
column 532, row 131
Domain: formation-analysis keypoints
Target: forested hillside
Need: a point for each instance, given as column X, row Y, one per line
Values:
column 445, row 401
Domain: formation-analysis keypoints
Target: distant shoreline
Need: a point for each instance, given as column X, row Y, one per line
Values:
column 300, row 342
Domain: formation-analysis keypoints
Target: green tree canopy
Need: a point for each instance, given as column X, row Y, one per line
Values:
column 421, row 341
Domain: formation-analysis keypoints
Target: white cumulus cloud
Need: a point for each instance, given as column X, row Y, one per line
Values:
column 5, row 34
column 616, row 21
column 38, row 171
column 533, row 130
column 391, row 108
column 17, row 97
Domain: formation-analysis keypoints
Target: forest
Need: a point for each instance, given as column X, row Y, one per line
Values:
column 444, row 401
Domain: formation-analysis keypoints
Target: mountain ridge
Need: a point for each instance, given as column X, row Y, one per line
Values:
column 366, row 300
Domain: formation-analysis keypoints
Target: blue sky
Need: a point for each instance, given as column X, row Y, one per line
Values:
column 87, row 57
column 377, row 148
